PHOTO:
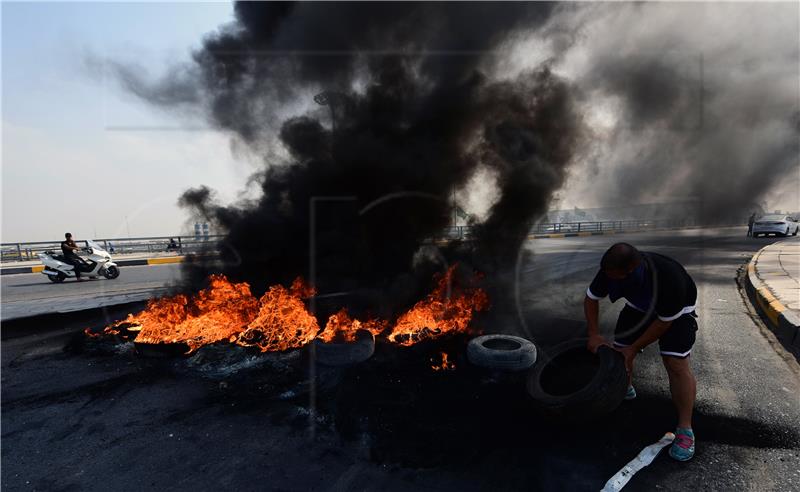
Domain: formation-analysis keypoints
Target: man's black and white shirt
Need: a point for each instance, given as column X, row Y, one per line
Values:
column 659, row 283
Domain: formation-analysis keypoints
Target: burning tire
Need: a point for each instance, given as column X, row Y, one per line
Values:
column 572, row 382
column 345, row 353
column 503, row 352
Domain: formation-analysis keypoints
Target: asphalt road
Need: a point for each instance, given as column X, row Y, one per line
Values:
column 105, row 419
column 32, row 294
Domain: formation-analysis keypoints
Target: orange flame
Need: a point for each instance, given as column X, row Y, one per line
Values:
column 446, row 310
column 216, row 313
column 283, row 322
column 444, row 365
column 342, row 328
column 228, row 311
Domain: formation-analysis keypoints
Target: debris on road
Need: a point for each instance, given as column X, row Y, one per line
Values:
column 644, row 458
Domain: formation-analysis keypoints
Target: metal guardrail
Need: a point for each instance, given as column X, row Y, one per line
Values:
column 10, row 252
column 463, row 232
column 191, row 244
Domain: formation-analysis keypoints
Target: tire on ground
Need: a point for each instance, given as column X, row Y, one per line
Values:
column 347, row 353
column 501, row 352
column 570, row 382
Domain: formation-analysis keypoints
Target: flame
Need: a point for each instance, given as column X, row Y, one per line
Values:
column 216, row 313
column 447, row 309
column 444, row 365
column 283, row 322
column 342, row 328
column 227, row 311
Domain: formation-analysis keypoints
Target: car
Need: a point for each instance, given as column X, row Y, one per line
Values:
column 778, row 224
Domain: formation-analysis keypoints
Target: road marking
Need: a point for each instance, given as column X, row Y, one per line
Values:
column 644, row 458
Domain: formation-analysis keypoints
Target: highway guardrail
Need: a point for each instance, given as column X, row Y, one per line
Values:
column 25, row 251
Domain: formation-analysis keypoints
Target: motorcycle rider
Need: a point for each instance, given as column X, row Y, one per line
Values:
column 68, row 248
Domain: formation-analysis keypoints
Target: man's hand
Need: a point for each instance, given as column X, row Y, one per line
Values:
column 594, row 343
column 629, row 353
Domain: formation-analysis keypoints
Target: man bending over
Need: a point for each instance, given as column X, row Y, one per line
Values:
column 660, row 302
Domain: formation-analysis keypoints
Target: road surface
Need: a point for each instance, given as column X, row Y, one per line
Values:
column 32, row 294
column 113, row 421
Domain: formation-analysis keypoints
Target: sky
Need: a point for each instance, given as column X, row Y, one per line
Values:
column 79, row 154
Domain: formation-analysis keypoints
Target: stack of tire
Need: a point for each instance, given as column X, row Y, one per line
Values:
column 572, row 383
column 567, row 382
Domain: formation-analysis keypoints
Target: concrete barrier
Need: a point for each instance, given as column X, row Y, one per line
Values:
column 783, row 322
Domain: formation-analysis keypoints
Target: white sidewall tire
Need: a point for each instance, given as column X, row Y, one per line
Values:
column 510, row 353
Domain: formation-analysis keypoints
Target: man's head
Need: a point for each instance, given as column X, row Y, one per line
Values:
column 620, row 260
column 68, row 236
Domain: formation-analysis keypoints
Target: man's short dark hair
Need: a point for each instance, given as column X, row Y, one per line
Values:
column 620, row 257
column 68, row 235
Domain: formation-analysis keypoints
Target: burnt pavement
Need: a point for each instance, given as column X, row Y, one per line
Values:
column 93, row 415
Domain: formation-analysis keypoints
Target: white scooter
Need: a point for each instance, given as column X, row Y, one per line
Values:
column 97, row 263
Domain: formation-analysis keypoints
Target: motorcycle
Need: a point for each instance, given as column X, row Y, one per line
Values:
column 97, row 263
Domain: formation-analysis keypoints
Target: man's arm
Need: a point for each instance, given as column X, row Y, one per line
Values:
column 650, row 335
column 591, row 309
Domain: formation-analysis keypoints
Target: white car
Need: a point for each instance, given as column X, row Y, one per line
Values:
column 776, row 224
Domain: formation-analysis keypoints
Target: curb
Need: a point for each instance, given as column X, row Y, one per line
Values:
column 136, row 262
column 783, row 322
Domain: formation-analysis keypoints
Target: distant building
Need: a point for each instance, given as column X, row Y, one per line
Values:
column 201, row 230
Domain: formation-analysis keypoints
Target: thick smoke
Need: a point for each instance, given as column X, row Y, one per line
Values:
column 692, row 103
column 607, row 104
column 409, row 117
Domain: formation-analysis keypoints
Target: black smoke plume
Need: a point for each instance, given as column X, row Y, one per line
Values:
column 409, row 114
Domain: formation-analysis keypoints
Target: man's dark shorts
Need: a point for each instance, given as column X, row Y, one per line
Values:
column 676, row 342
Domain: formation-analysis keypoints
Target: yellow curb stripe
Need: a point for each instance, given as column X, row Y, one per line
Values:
column 770, row 305
column 162, row 261
column 765, row 308
column 766, row 295
column 777, row 306
column 37, row 269
column 555, row 236
column 771, row 313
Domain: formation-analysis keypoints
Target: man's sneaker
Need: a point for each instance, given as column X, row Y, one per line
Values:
column 631, row 394
column 683, row 447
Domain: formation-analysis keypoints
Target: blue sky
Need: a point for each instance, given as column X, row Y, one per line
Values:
column 66, row 164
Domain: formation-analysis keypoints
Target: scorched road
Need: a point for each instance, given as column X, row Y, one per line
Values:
column 89, row 415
